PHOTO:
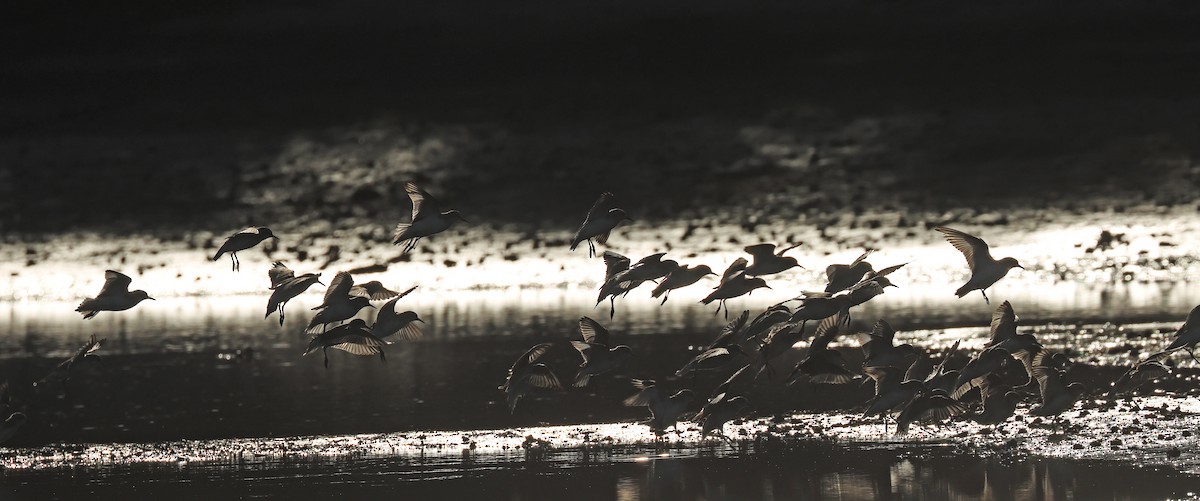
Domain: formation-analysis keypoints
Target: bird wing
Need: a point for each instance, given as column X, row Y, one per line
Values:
column 884, row 331
column 88, row 348
column 648, row 393
column 614, row 263
column 115, row 282
column 358, row 349
column 423, row 204
column 1049, row 382
column 886, row 379
column 278, row 273
column 529, row 357
column 602, row 206
column 541, row 376
column 888, row 271
column 736, row 267
column 651, row 259
column 761, row 251
column 826, row 331
column 593, row 332
column 731, row 329
column 339, row 288
column 860, row 259
column 972, row 247
column 374, row 290
column 941, row 366
column 1004, row 324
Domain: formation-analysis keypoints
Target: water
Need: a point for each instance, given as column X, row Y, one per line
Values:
column 210, row 370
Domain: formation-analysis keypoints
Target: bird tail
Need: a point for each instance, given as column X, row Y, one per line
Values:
column 218, row 254
column 962, row 291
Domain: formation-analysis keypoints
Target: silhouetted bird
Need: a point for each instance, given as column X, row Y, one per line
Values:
column 426, row 218
column 285, row 285
column 880, row 350
column 680, row 277
column 985, row 270
column 241, row 241
column 375, row 291
column 712, row 359
column 84, row 353
column 391, row 321
column 1188, row 334
column 1142, row 372
column 114, row 296
column 615, row 265
column 823, row 365
column 338, row 305
column 602, row 218
column 928, row 405
column 664, row 411
column 524, row 376
column 353, row 337
column 768, row 262
column 730, row 334
column 714, row 415
column 598, row 358
column 845, row 276
column 999, row 401
column 1057, row 395
column 734, row 283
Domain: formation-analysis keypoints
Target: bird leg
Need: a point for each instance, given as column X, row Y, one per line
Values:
column 591, row 249
column 281, row 305
column 325, row 352
column 985, row 298
column 233, row 261
column 612, row 306
column 1191, row 354
column 665, row 296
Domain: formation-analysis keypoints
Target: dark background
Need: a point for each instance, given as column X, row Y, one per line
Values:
column 124, row 115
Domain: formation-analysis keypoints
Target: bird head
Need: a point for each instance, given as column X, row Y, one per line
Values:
column 141, row 295
column 758, row 283
column 455, row 214
column 884, row 282
column 704, row 268
column 360, row 302
column 266, row 233
column 1010, row 262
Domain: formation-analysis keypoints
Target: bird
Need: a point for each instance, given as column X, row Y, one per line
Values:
column 985, row 270
column 13, row 420
column 601, row 219
column 763, row 322
column 664, row 411
column 768, row 262
column 1003, row 326
column 426, row 218
column 1057, row 395
column 999, row 401
column 730, row 334
column 892, row 390
column 714, row 415
column 285, row 285
column 680, row 277
column 614, row 266
column 391, row 320
column 598, row 358
column 524, row 376
column 985, row 362
column 241, row 241
column 1146, row 370
column 338, row 305
column 880, row 350
column 734, row 283
column 354, row 338
column 114, row 296
column 781, row 338
column 649, row 268
column 1188, row 334
column 928, row 405
column 823, row 365
column 85, row 353
column 844, row 276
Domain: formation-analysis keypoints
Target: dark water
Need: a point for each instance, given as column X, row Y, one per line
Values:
column 805, row 471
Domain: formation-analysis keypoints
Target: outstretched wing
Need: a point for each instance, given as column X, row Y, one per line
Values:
column 115, row 282
column 761, row 251
column 593, row 332
column 1004, row 324
column 375, row 291
column 1049, row 382
column 279, row 273
column 339, row 287
column 888, row 271
column 736, row 267
column 529, row 357
column 614, row 263
column 423, row 203
column 972, row 247
column 826, row 331
column 540, row 376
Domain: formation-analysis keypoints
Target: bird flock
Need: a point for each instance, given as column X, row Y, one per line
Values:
column 911, row 386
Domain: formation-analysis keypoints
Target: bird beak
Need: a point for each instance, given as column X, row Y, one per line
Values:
column 1021, row 267
column 419, row 320
column 893, row 285
column 150, row 298
column 460, row 216
column 320, row 282
column 275, row 237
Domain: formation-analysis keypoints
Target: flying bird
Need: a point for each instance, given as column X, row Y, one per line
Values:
column 680, row 277
column 601, row 219
column 598, row 358
column 734, row 283
column 84, row 353
column 392, row 320
column 524, row 376
column 985, row 270
column 339, row 304
column 354, row 338
column 845, row 276
column 114, row 296
column 768, row 262
column 1188, row 334
column 241, row 241
column 426, row 218
column 285, row 285
column 664, row 411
